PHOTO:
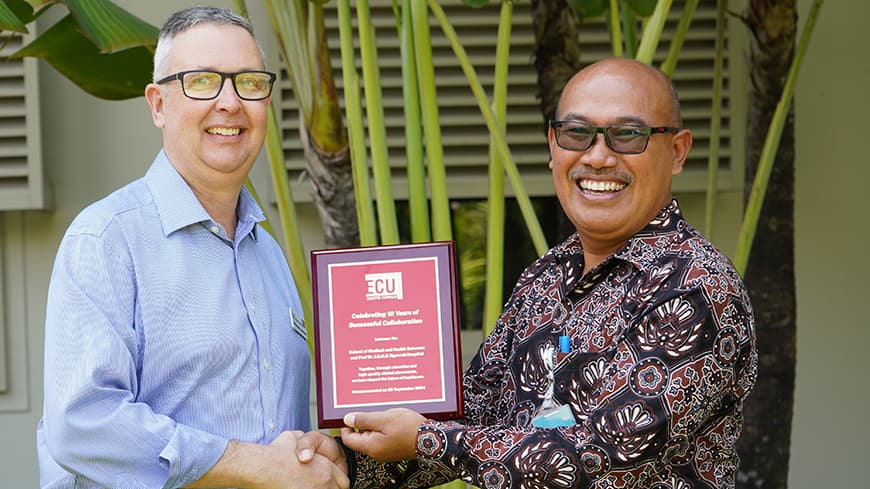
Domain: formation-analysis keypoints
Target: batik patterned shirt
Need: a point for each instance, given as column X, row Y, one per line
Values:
column 662, row 358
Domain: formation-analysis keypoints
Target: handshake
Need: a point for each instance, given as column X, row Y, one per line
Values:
column 387, row 436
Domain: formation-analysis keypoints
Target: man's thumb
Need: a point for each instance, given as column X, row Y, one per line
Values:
column 305, row 455
column 350, row 420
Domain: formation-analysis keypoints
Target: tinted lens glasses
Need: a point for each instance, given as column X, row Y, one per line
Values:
column 624, row 139
column 207, row 84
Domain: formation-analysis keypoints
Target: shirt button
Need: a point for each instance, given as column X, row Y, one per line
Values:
column 266, row 365
column 271, row 426
column 214, row 229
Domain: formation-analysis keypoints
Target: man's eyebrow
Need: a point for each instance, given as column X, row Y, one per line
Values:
column 573, row 116
column 627, row 119
column 631, row 119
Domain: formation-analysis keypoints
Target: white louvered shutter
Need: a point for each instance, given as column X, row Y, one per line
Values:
column 464, row 134
column 21, row 176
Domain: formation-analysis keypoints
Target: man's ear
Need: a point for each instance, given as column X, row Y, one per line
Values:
column 682, row 142
column 551, row 142
column 154, row 97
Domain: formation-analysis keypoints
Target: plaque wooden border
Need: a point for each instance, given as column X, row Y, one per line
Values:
column 386, row 330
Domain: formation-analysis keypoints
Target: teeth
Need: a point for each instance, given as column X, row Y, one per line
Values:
column 224, row 131
column 599, row 186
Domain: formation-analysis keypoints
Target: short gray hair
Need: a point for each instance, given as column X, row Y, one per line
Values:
column 190, row 17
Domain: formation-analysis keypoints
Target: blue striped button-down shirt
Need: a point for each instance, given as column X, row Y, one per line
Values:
column 164, row 340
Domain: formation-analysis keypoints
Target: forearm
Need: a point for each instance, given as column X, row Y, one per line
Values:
column 273, row 466
column 241, row 465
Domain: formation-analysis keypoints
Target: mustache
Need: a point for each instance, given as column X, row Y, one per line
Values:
column 583, row 172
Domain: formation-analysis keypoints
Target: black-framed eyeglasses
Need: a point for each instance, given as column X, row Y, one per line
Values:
column 207, row 84
column 624, row 139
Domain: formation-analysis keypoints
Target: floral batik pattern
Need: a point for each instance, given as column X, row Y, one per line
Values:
column 662, row 358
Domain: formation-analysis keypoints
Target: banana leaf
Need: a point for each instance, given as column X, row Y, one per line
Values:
column 14, row 15
column 116, row 76
column 110, row 27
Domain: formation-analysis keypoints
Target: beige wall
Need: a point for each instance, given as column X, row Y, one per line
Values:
column 830, row 426
column 92, row 147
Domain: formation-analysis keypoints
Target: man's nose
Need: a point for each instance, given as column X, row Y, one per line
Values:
column 599, row 155
column 228, row 98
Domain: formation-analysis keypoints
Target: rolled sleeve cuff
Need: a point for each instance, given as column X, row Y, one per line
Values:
column 190, row 453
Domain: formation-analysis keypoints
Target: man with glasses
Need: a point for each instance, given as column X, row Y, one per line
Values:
column 175, row 344
column 623, row 356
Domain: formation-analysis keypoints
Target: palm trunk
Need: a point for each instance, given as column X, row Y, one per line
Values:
column 557, row 59
column 332, row 181
column 327, row 155
column 764, row 444
column 557, row 52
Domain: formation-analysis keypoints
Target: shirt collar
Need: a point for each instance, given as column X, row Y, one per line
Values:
column 643, row 249
column 177, row 205
column 249, row 213
column 662, row 230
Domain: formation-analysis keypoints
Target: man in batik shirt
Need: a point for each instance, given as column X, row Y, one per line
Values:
column 658, row 326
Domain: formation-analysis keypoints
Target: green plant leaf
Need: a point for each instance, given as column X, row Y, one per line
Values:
column 14, row 15
column 476, row 3
column 589, row 9
column 115, row 76
column 642, row 8
column 110, row 27
column 37, row 4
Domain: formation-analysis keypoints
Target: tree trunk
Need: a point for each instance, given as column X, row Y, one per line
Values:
column 557, row 59
column 331, row 177
column 327, row 156
column 557, row 51
column 765, row 442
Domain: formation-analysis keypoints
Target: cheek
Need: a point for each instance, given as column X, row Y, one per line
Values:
column 258, row 115
column 561, row 161
column 653, row 166
column 560, row 168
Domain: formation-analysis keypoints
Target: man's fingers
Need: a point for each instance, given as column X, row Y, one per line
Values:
column 375, row 421
column 307, row 444
column 355, row 440
column 304, row 455
column 350, row 420
column 340, row 478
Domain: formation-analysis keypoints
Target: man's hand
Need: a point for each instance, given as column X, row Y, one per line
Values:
column 316, row 443
column 388, row 436
column 273, row 466
column 319, row 471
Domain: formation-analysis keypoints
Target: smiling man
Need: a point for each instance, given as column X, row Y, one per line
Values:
column 624, row 355
column 175, row 352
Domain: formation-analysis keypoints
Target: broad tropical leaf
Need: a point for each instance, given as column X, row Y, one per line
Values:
column 589, row 9
column 14, row 15
column 115, row 76
column 37, row 4
column 110, row 27
column 642, row 8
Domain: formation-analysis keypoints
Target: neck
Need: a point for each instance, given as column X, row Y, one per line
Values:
column 221, row 206
column 594, row 254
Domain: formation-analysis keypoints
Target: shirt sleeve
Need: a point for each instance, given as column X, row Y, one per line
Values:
column 95, row 425
column 672, row 385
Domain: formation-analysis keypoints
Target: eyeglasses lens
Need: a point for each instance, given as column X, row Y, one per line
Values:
column 208, row 84
column 578, row 136
column 201, row 84
column 628, row 139
column 253, row 85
